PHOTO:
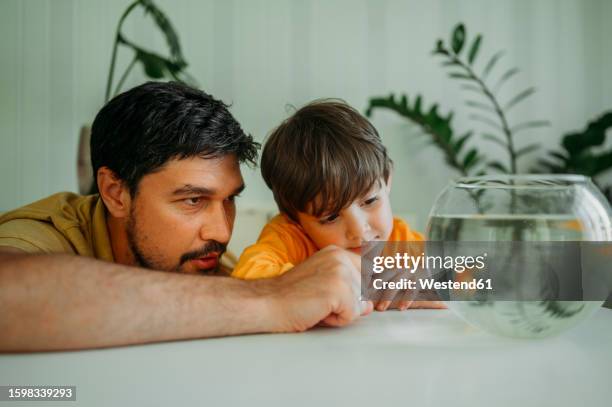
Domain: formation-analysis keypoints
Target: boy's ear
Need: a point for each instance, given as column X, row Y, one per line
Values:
column 114, row 193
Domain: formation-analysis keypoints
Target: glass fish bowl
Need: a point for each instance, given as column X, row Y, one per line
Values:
column 547, row 243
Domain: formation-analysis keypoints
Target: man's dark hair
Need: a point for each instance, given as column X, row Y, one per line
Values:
column 323, row 158
column 139, row 131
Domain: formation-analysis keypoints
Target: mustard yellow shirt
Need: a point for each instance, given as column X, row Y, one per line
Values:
column 283, row 244
column 61, row 223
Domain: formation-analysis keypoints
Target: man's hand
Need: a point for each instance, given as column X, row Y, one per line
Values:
column 323, row 289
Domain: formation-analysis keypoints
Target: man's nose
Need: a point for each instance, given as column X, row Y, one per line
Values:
column 357, row 225
column 217, row 225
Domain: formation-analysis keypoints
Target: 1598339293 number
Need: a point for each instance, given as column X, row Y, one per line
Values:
column 34, row 393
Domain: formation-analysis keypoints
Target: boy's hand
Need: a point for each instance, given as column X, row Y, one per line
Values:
column 401, row 299
column 404, row 305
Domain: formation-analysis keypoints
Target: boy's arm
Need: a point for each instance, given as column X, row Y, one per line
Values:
column 274, row 253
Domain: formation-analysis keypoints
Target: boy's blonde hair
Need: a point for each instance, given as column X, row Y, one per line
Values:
column 322, row 158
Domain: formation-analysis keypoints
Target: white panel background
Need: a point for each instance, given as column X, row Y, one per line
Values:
column 263, row 55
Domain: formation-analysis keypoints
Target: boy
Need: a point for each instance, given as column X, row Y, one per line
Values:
column 331, row 178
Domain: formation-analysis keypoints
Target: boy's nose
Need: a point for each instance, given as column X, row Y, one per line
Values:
column 357, row 227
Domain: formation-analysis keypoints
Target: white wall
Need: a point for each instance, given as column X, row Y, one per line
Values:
column 262, row 55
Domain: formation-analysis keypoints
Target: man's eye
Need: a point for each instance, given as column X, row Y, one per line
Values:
column 193, row 201
column 370, row 201
column 329, row 219
column 233, row 198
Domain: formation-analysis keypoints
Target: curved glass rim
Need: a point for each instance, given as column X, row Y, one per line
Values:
column 521, row 181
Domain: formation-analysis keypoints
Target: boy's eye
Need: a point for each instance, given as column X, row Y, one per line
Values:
column 370, row 201
column 328, row 219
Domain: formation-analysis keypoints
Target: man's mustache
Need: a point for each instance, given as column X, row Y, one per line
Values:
column 211, row 247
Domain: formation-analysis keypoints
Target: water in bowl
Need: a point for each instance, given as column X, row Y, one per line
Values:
column 523, row 319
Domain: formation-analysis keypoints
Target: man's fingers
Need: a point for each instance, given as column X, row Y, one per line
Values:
column 345, row 316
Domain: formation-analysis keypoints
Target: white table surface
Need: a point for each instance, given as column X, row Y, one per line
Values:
column 410, row 358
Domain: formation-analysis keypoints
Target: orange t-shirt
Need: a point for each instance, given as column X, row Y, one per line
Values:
column 283, row 244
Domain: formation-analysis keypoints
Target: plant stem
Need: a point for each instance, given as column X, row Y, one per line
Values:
column 111, row 70
column 504, row 123
column 125, row 74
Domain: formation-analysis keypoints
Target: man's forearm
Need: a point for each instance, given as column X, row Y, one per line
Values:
column 52, row 302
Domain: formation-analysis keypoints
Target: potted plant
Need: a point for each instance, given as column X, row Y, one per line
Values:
column 154, row 66
column 580, row 151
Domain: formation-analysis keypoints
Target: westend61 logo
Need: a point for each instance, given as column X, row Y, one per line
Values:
column 410, row 263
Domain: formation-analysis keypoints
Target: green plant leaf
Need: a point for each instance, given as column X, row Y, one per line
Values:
column 460, row 75
column 504, row 78
column 179, row 74
column 121, row 39
column 404, row 102
column 577, row 142
column 593, row 135
column 451, row 63
column 559, row 156
column 496, row 165
column 527, row 149
column 480, row 105
column 608, row 192
column 602, row 162
column 437, row 126
column 471, row 158
column 472, row 88
column 529, row 125
column 520, row 97
column 495, row 139
column 551, row 167
column 491, row 63
column 154, row 65
column 433, row 111
column 458, row 38
column 582, row 153
column 417, row 104
column 459, row 143
column 474, row 49
column 167, row 29
column 485, row 120
column 440, row 48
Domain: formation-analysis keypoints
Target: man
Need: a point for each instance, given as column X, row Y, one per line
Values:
column 167, row 163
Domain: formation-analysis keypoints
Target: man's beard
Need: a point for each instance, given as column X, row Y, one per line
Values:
column 146, row 261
